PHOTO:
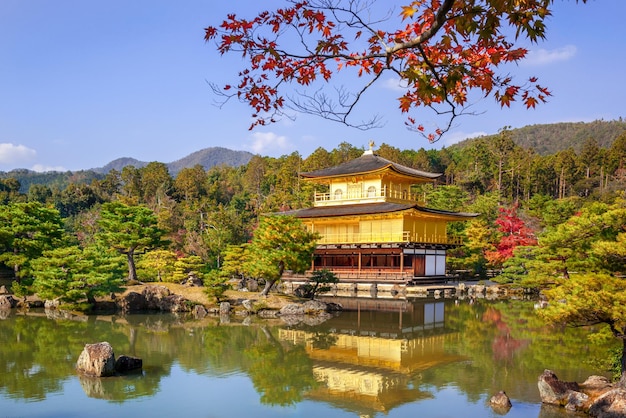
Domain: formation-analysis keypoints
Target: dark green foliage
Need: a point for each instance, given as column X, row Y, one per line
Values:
column 549, row 139
column 319, row 281
column 129, row 230
column 215, row 284
column 280, row 243
column 26, row 231
column 72, row 274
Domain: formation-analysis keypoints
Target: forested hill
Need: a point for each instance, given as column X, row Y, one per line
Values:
column 551, row 138
column 207, row 158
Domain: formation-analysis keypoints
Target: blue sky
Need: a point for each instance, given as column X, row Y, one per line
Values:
column 85, row 82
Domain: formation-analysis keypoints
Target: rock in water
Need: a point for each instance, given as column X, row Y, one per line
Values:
column 554, row 391
column 500, row 400
column 97, row 360
column 125, row 364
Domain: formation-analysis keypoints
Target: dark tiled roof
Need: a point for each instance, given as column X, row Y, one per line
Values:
column 365, row 164
column 369, row 208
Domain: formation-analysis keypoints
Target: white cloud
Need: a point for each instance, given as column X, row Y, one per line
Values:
column 15, row 154
column 544, row 56
column 268, row 143
column 451, row 138
column 395, row 84
column 40, row 168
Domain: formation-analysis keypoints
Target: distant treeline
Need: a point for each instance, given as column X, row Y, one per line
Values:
column 203, row 211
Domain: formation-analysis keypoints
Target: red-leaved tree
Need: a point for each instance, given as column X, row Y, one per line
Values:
column 514, row 233
column 440, row 50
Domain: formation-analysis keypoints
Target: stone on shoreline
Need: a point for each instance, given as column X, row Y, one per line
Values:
column 596, row 396
column 7, row 302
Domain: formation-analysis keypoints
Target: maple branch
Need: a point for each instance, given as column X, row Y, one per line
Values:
column 320, row 105
column 442, row 49
column 440, row 19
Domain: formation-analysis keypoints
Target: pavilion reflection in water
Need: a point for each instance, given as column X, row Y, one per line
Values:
column 369, row 358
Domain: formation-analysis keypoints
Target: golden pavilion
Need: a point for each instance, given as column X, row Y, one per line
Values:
column 373, row 226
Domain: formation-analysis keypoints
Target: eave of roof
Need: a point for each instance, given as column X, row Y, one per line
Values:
column 369, row 209
column 368, row 163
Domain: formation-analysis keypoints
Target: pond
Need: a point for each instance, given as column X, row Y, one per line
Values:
column 392, row 358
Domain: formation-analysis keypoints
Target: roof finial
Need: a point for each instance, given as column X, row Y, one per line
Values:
column 371, row 150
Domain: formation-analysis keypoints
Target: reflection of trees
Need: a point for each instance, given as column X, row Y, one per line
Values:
column 322, row 340
column 281, row 373
column 510, row 346
column 37, row 354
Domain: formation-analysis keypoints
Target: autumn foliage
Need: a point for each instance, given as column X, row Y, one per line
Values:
column 514, row 233
column 439, row 50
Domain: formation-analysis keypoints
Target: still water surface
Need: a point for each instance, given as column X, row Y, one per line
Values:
column 396, row 358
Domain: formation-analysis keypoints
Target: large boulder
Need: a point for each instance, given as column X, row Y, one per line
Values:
column 155, row 295
column 314, row 307
column 154, row 298
column 7, row 302
column 594, row 386
column 596, row 395
column 292, row 309
column 500, row 403
column 554, row 391
column 174, row 303
column 125, row 364
column 224, row 308
column 132, row 302
column 611, row 404
column 97, row 360
column 199, row 312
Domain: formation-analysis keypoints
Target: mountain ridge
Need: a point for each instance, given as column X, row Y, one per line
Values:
column 551, row 138
column 206, row 157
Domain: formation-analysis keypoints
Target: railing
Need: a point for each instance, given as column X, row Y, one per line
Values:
column 359, row 195
column 404, row 236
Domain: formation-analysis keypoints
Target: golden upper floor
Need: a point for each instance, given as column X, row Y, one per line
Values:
column 368, row 179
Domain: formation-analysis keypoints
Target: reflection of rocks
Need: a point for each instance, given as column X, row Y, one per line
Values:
column 62, row 314
column 291, row 320
column 596, row 395
column 93, row 387
column 116, row 388
column 267, row 313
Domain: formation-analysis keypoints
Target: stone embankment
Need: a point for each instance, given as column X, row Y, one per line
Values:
column 388, row 290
